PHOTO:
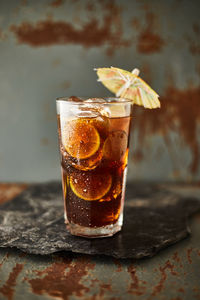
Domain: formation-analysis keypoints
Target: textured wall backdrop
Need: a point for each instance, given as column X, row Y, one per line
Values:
column 49, row 48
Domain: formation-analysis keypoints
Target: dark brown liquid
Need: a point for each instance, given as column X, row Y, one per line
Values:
column 94, row 153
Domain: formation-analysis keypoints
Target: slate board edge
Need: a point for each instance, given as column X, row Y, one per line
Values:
column 139, row 256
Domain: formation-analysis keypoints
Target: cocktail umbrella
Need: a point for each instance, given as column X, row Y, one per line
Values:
column 128, row 85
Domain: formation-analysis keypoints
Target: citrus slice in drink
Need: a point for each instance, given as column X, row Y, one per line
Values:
column 115, row 145
column 80, row 139
column 90, row 186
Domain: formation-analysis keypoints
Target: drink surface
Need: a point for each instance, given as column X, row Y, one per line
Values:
column 94, row 154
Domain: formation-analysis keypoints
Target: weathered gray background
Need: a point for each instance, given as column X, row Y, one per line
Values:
column 49, row 49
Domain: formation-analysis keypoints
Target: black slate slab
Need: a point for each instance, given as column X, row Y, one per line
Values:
column 154, row 218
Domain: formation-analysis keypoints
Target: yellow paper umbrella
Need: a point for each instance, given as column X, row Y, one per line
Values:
column 128, row 85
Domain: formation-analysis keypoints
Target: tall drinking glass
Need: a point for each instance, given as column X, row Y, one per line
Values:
column 94, row 143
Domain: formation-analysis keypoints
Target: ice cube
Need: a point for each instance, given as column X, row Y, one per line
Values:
column 75, row 99
column 95, row 105
column 83, row 111
column 115, row 110
column 90, row 108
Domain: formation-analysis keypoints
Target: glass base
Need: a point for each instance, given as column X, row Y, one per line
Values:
column 95, row 232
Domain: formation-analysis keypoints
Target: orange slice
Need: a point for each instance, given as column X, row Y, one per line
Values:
column 90, row 163
column 90, row 186
column 115, row 145
column 80, row 139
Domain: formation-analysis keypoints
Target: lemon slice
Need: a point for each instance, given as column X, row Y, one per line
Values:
column 80, row 139
column 90, row 186
column 115, row 145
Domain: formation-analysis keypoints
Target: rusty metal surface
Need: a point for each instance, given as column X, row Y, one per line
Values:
column 49, row 49
column 173, row 274
column 10, row 190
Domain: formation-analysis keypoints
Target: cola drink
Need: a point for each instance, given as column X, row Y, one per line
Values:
column 94, row 143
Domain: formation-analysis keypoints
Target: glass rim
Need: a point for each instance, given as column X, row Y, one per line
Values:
column 108, row 100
